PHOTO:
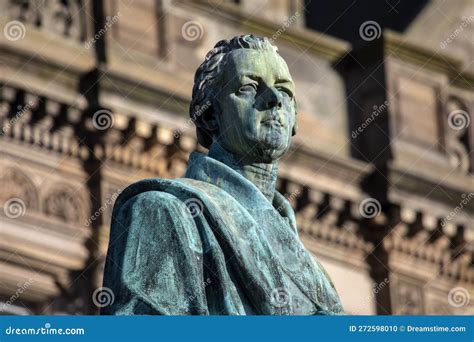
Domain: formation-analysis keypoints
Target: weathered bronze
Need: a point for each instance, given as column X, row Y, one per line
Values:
column 221, row 240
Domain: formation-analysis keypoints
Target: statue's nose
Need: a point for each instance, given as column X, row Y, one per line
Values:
column 272, row 98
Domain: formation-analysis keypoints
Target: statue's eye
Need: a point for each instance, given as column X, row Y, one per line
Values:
column 247, row 88
column 286, row 91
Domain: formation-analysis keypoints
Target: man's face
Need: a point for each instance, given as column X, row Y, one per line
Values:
column 255, row 106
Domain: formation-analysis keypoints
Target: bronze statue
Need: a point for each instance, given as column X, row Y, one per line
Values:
column 222, row 240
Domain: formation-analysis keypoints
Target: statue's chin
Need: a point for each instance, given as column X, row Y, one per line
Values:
column 264, row 149
column 267, row 153
column 274, row 145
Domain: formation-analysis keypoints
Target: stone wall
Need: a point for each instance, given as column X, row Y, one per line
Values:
column 94, row 96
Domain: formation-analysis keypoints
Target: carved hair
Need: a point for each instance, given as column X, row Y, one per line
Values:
column 207, row 75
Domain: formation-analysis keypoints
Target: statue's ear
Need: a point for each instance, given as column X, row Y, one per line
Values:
column 208, row 120
column 295, row 126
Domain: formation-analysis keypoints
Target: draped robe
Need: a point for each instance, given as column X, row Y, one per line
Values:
column 210, row 244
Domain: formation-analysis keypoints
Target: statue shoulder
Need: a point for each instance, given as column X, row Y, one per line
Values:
column 148, row 202
column 153, row 211
column 148, row 196
column 154, row 240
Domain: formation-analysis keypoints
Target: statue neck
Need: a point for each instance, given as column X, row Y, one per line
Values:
column 262, row 175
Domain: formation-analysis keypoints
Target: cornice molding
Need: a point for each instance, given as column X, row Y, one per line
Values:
column 447, row 191
column 319, row 44
column 40, row 51
column 400, row 47
column 156, row 89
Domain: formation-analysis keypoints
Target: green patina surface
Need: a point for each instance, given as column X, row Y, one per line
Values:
column 221, row 240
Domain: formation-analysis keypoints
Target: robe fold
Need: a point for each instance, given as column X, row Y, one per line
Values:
column 210, row 244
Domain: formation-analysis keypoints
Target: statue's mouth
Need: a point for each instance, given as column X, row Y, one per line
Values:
column 272, row 120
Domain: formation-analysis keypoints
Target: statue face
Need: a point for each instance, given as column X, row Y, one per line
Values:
column 255, row 106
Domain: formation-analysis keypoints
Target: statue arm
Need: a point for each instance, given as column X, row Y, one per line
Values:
column 155, row 263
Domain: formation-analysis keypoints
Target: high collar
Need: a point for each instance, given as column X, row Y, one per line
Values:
column 262, row 175
column 213, row 171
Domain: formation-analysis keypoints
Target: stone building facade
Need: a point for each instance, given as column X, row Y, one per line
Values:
column 94, row 96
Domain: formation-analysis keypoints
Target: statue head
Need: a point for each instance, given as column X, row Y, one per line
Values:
column 243, row 98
